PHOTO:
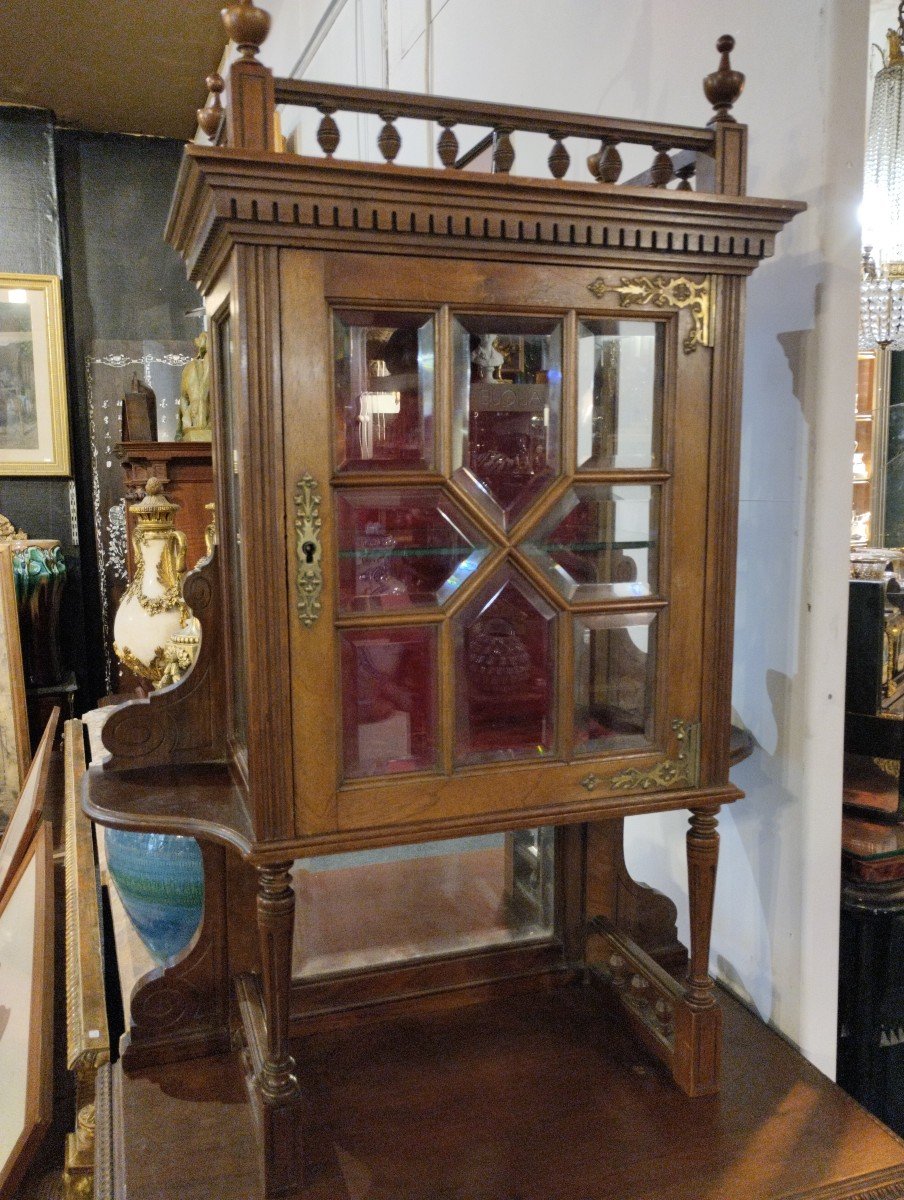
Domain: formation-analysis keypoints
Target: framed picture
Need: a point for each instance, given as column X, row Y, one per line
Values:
column 15, row 750
column 27, row 813
column 34, row 422
column 26, row 1012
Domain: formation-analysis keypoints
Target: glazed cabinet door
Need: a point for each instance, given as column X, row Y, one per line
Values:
column 497, row 480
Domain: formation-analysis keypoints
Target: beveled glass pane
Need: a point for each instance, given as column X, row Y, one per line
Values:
column 230, row 530
column 600, row 541
column 405, row 903
column 614, row 681
column 505, row 672
column 388, row 700
column 620, row 382
column 507, row 389
column 402, row 548
column 384, row 373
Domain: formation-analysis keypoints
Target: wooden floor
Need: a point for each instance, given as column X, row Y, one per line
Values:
column 532, row 1098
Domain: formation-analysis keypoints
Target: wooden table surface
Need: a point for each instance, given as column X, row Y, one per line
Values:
column 536, row 1097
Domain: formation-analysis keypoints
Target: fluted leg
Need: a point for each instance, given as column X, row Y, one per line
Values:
column 702, row 861
column 275, row 923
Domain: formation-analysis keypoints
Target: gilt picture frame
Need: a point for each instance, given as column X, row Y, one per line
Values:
column 15, row 750
column 34, row 420
column 26, row 1012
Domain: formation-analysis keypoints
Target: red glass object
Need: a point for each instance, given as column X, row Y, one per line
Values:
column 505, row 672
column 507, row 385
column 600, row 542
column 614, row 682
column 388, row 700
column 402, row 548
column 384, row 373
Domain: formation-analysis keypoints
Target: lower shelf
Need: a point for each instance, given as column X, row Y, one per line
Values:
column 536, row 1097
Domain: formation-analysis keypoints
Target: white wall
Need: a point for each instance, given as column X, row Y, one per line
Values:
column 775, row 935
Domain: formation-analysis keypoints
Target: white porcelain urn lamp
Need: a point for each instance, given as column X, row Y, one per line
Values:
column 152, row 609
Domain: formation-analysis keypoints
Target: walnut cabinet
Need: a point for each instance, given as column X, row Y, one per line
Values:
column 476, row 455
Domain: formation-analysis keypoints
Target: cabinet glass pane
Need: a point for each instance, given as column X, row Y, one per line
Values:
column 230, row 529
column 507, row 390
column 614, row 681
column 406, row 903
column 620, row 373
column 402, row 548
column 384, row 373
column 388, row 700
column 600, row 541
column 504, row 672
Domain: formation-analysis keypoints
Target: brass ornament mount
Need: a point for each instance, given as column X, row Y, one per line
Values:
column 308, row 522
column 672, row 772
column 660, row 291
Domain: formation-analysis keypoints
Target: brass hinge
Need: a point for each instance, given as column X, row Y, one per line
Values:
column 663, row 292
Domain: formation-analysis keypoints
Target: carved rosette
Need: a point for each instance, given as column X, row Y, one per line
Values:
column 660, row 291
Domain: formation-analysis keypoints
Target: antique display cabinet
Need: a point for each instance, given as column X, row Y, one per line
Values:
column 476, row 455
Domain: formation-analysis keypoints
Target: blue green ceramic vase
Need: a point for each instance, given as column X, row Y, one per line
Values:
column 39, row 570
column 160, row 879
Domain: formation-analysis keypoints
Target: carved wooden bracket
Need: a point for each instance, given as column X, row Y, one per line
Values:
column 183, row 723
column 181, row 1010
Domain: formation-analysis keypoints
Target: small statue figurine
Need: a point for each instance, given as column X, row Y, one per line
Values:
column 487, row 358
column 194, row 395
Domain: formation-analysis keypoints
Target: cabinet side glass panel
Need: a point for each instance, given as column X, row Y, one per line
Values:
column 389, row 711
column 620, row 389
column 614, row 682
column 384, row 387
column 406, row 903
column 507, row 394
column 230, row 531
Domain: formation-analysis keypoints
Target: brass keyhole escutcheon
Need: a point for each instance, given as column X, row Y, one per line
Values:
column 308, row 524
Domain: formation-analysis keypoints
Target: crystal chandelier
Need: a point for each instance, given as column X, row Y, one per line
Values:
column 882, row 280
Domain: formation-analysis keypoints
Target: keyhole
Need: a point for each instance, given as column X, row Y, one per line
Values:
column 308, row 549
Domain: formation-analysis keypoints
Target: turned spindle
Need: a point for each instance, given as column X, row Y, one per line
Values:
column 559, row 158
column 723, row 87
column 702, row 862
column 390, row 140
column 606, row 164
column 247, row 25
column 503, row 151
column 327, row 131
column 662, row 170
column 210, row 118
column 684, row 175
column 447, row 145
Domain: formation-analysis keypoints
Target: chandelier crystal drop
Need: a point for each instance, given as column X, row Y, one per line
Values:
column 882, row 278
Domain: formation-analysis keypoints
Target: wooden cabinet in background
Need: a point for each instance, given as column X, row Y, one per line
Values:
column 185, row 468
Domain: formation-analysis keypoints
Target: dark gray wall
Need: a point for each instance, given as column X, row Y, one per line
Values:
column 31, row 244
column 91, row 208
column 123, row 283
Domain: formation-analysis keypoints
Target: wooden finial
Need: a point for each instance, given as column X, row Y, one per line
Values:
column 247, row 25
column 210, row 118
column 723, row 87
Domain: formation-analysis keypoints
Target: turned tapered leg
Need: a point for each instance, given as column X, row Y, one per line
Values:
column 702, row 861
column 275, row 923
